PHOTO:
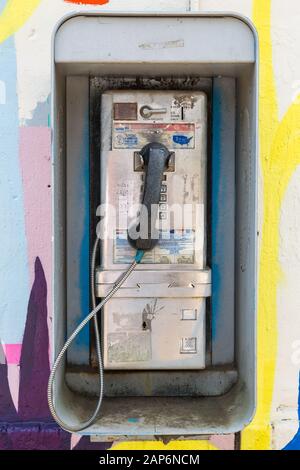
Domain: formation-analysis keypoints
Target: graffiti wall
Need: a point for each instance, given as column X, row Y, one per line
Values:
column 26, row 28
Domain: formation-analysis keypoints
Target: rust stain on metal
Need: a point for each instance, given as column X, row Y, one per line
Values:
column 127, row 111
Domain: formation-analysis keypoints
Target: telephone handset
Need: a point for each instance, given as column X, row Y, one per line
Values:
column 144, row 235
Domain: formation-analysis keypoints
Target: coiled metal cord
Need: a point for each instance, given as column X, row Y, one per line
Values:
column 92, row 314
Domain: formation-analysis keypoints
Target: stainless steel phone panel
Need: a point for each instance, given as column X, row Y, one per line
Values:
column 167, row 276
column 154, row 333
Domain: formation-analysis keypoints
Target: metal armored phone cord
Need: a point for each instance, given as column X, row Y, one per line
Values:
column 92, row 314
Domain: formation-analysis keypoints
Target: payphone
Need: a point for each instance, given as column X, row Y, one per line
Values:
column 137, row 99
column 152, row 235
column 157, row 319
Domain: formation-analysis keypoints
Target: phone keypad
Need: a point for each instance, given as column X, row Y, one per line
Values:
column 162, row 202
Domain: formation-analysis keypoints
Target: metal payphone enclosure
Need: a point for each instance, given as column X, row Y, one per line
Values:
column 157, row 320
column 91, row 48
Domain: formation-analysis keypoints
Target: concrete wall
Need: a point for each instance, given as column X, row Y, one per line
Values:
column 25, row 224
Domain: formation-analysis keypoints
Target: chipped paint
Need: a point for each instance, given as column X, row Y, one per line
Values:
column 162, row 45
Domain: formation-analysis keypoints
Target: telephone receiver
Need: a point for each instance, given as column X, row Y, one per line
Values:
column 143, row 234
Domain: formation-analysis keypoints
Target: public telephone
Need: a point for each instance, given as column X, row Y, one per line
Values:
column 131, row 121
column 152, row 235
column 157, row 318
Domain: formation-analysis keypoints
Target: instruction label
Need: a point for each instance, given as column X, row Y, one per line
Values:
column 134, row 135
column 134, row 346
column 173, row 247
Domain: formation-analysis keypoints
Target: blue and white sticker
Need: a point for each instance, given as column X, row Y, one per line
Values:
column 182, row 139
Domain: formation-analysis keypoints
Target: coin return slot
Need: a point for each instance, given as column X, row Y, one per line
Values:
column 189, row 314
